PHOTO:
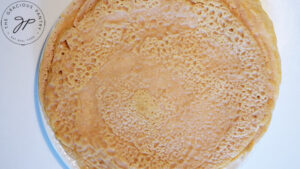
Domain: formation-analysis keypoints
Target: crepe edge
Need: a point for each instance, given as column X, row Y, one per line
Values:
column 70, row 17
column 254, row 17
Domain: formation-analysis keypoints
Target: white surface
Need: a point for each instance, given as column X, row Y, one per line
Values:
column 21, row 143
column 23, row 147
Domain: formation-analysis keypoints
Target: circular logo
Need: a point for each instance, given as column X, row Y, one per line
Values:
column 23, row 22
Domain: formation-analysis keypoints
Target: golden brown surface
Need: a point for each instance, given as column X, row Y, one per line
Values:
column 160, row 83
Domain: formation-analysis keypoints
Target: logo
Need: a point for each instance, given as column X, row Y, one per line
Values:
column 23, row 22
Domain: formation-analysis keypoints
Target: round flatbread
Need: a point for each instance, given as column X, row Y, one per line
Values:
column 160, row 83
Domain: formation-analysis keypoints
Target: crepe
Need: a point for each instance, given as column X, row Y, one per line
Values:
column 160, row 83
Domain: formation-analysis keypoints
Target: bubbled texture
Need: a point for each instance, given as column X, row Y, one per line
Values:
column 157, row 84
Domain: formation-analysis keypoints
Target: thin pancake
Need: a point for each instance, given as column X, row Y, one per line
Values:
column 160, row 84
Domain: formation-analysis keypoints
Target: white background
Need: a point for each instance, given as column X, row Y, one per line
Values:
column 23, row 147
